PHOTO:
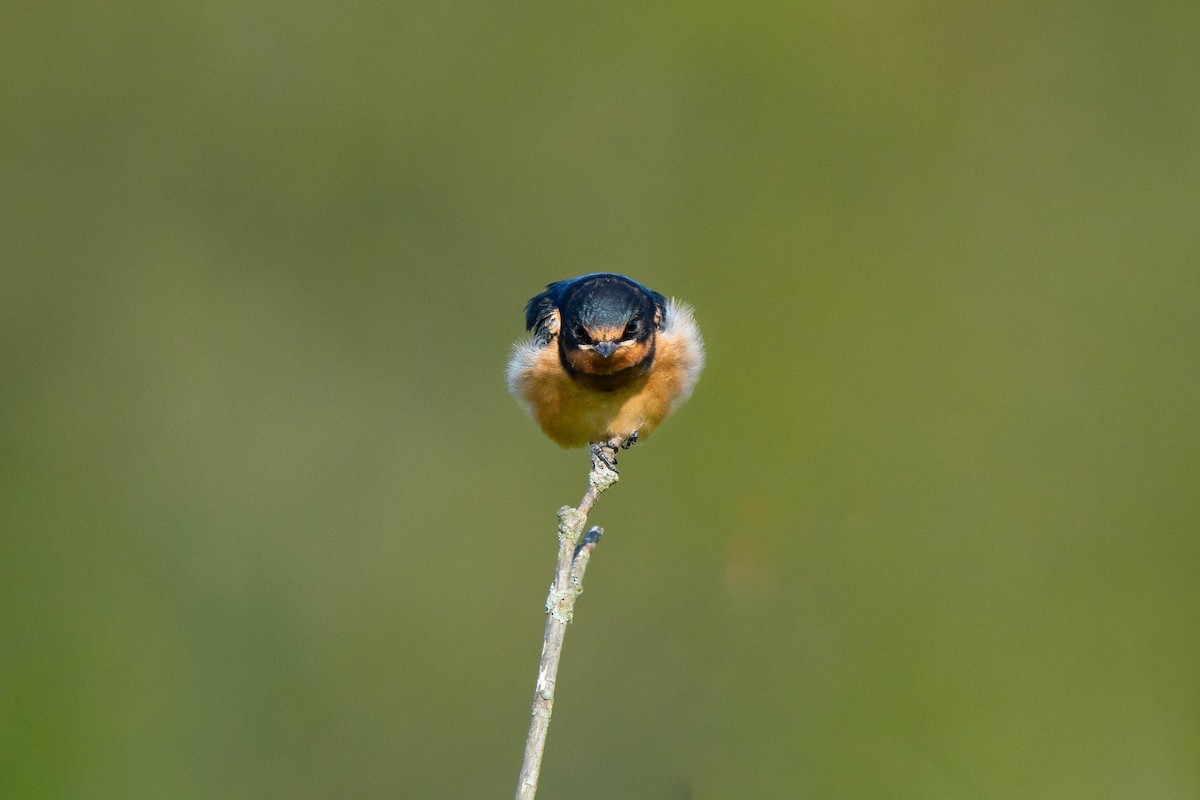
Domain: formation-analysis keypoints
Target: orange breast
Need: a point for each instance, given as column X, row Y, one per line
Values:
column 573, row 415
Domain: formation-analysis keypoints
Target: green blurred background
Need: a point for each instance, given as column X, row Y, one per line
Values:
column 270, row 526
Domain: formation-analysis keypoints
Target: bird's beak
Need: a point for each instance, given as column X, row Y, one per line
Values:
column 605, row 349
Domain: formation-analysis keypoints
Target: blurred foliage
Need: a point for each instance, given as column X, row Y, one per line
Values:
column 271, row 528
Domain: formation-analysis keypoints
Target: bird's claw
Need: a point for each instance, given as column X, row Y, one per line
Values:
column 606, row 452
column 601, row 453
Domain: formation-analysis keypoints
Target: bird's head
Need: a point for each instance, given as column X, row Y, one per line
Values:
column 608, row 325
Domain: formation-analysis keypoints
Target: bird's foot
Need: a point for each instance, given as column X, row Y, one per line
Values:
column 605, row 453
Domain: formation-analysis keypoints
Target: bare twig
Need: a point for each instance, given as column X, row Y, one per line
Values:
column 574, row 550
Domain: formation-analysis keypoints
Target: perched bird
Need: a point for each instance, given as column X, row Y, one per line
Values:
column 608, row 361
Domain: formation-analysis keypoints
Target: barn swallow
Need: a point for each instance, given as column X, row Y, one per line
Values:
column 608, row 361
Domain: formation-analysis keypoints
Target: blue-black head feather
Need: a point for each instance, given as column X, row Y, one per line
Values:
column 601, row 300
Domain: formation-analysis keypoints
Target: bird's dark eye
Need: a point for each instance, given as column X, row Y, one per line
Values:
column 581, row 335
column 631, row 329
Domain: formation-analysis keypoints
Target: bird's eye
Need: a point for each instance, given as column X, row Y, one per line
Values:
column 581, row 334
column 631, row 329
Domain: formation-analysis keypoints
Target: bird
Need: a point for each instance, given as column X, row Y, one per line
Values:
column 607, row 362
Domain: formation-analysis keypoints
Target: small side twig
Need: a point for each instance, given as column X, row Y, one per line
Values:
column 574, row 550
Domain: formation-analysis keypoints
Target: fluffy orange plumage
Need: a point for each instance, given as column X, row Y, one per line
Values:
column 609, row 360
